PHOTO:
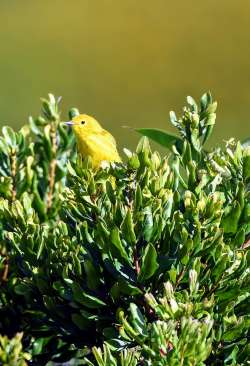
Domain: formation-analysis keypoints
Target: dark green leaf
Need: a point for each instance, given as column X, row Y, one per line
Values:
column 85, row 299
column 128, row 228
column 148, row 263
column 231, row 218
column 160, row 136
column 116, row 241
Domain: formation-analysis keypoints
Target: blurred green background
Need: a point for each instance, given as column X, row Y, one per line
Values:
column 126, row 62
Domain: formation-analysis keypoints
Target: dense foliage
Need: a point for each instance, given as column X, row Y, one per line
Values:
column 144, row 262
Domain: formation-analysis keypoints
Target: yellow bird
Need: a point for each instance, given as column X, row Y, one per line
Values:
column 94, row 141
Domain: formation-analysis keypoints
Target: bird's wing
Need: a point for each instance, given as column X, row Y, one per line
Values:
column 108, row 137
column 102, row 145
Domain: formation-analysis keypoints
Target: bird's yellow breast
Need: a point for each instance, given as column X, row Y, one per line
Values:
column 99, row 147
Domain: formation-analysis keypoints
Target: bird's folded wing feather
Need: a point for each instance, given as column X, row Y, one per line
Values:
column 105, row 143
column 109, row 137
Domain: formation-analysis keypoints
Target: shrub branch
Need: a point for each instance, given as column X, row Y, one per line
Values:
column 52, row 166
column 13, row 173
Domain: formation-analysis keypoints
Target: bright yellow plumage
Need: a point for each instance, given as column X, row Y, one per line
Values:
column 94, row 141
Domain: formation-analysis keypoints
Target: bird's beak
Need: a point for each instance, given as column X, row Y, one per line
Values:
column 69, row 123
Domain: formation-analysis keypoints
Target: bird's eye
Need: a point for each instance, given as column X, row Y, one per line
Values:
column 83, row 122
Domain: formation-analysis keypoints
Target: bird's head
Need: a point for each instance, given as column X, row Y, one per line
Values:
column 84, row 125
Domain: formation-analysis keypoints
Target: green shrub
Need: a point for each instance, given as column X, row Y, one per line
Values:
column 142, row 263
column 11, row 351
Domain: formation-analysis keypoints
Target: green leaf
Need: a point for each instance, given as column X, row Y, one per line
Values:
column 98, row 356
column 127, row 288
column 9, row 135
column 110, row 192
column 73, row 112
column 220, row 267
column 63, row 290
column 173, row 118
column 240, row 237
column 246, row 166
column 186, row 248
column 81, row 322
column 40, row 247
column 77, row 265
column 134, row 162
column 205, row 100
column 93, row 276
column 211, row 109
column 192, row 103
column 38, row 345
column 85, row 299
column 22, row 289
column 138, row 320
column 128, row 228
column 116, row 241
column 160, row 136
column 148, row 263
column 148, row 226
column 4, row 146
column 138, row 198
column 231, row 218
column 234, row 332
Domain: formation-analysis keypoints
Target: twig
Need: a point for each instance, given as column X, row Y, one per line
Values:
column 246, row 244
column 215, row 286
column 180, row 276
column 5, row 270
column 13, row 173
column 136, row 262
column 52, row 167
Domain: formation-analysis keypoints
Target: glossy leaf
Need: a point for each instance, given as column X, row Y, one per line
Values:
column 162, row 137
column 148, row 263
column 85, row 299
